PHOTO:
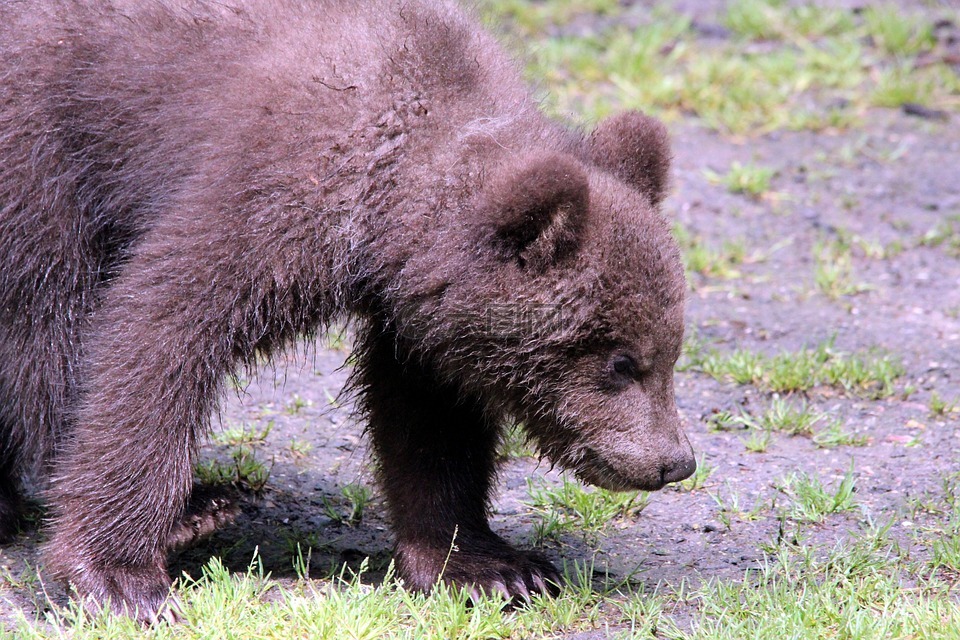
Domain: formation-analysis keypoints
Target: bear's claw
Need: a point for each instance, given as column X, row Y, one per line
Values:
column 210, row 508
column 483, row 567
column 142, row 593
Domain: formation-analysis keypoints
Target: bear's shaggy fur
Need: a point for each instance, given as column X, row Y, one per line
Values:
column 185, row 184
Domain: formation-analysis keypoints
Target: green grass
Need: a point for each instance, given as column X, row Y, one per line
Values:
column 536, row 16
column 722, row 262
column 896, row 32
column 299, row 449
column 857, row 591
column 940, row 407
column 757, row 441
column 223, row 605
column 834, row 434
column 349, row 509
column 730, row 509
column 867, row 374
column 243, row 435
column 945, row 235
column 819, row 69
column 296, row 405
column 748, row 179
column 833, row 273
column 244, row 470
column 867, row 586
column 776, row 20
column 784, row 416
column 572, row 509
column 514, row 444
column 904, row 83
column 812, row 501
column 787, row 417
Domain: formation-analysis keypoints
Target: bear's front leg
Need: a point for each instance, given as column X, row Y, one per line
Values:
column 437, row 456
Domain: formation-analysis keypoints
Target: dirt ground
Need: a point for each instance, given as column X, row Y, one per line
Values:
column 892, row 178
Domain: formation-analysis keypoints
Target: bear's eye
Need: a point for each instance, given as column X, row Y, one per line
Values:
column 626, row 367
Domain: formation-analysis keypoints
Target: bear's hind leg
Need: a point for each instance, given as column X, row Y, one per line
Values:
column 10, row 503
column 436, row 455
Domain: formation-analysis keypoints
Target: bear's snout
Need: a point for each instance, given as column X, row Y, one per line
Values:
column 644, row 463
column 678, row 470
column 682, row 465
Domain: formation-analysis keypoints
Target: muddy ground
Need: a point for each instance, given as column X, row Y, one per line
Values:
column 892, row 178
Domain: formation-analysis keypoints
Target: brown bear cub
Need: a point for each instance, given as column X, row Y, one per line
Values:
column 185, row 184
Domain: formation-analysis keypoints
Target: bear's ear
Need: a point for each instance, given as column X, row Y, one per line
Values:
column 533, row 211
column 636, row 149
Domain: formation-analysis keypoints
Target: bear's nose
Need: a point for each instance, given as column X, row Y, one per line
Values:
column 678, row 471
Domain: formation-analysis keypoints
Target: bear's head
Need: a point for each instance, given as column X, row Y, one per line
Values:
column 567, row 310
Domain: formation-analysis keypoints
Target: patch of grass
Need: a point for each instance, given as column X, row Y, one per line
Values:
column 643, row 615
column 815, row 21
column 940, row 407
column 818, row 68
column 945, row 234
column 855, row 244
column 514, row 444
column 833, row 434
column 337, row 338
column 833, row 270
column 896, row 32
column 213, row 472
column 864, row 587
column 299, row 449
column 748, row 179
column 296, row 405
column 243, row 435
column 946, row 554
column 758, row 441
column 755, row 19
column 739, row 366
column 741, row 94
column 857, row 590
column 868, row 375
column 723, row 263
column 945, row 546
column 573, row 509
column 887, row 27
column 788, row 417
column 904, row 83
column 723, row 421
column 244, row 470
column 356, row 497
column 812, row 501
column 219, row 604
column 776, row 20
column 533, row 17
column 730, row 508
column 783, row 416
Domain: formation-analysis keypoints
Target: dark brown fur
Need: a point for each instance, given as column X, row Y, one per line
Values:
column 184, row 185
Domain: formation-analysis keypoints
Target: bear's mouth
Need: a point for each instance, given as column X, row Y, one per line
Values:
column 590, row 467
